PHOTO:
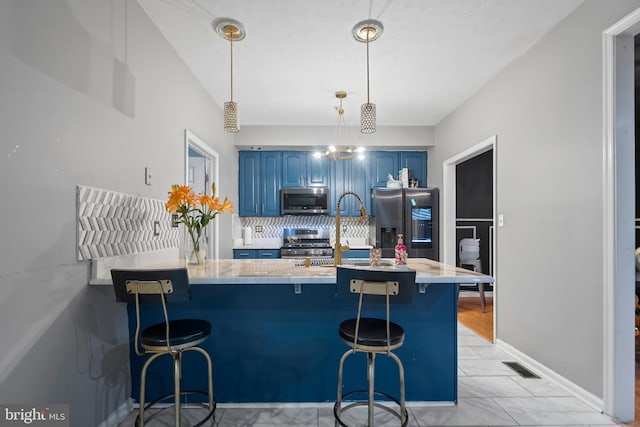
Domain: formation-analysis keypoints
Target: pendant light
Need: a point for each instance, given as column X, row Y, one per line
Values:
column 366, row 32
column 231, row 30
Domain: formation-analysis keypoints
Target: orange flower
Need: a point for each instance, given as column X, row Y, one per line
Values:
column 195, row 211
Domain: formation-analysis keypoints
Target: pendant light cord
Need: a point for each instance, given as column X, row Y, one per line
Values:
column 368, row 101
column 231, row 41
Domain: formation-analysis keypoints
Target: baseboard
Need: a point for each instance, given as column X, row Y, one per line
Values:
column 118, row 415
column 579, row 392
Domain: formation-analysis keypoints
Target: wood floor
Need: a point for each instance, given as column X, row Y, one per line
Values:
column 470, row 314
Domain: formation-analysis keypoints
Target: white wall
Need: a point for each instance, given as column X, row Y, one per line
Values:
column 546, row 110
column 91, row 94
column 310, row 137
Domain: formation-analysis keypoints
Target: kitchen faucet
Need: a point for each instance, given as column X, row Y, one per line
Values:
column 339, row 248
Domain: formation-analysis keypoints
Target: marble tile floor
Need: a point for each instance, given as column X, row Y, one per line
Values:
column 489, row 394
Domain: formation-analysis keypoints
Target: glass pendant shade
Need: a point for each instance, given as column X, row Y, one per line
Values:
column 368, row 118
column 231, row 123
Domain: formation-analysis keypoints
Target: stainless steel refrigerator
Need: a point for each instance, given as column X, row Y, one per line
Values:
column 412, row 212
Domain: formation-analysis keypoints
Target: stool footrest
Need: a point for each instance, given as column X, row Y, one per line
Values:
column 182, row 393
column 404, row 418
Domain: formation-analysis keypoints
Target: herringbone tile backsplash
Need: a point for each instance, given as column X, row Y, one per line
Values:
column 112, row 223
column 272, row 226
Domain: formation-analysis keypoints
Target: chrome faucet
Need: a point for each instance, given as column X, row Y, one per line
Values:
column 339, row 248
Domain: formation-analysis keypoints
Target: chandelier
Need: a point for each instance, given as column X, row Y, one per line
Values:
column 335, row 150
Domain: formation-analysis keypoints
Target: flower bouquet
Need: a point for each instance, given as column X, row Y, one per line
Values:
column 195, row 211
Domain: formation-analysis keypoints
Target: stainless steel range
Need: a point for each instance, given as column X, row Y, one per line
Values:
column 306, row 242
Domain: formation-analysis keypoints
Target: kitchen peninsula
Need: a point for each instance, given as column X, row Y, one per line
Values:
column 275, row 338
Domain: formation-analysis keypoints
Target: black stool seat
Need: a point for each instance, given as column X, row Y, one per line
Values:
column 372, row 332
column 181, row 332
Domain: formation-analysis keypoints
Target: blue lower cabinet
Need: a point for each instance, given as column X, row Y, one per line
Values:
column 268, row 253
column 256, row 253
column 244, row 254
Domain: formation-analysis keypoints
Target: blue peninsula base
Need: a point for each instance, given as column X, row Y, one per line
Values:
column 269, row 344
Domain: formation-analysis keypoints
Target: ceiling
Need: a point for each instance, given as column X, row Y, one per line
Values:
column 432, row 56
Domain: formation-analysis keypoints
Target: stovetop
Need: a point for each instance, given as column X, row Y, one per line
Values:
column 300, row 245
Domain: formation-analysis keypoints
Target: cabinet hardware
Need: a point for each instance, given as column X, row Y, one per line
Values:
column 297, row 288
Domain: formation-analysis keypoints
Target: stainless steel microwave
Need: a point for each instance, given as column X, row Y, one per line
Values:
column 304, row 201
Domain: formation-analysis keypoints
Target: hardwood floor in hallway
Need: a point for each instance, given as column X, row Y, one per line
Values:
column 470, row 314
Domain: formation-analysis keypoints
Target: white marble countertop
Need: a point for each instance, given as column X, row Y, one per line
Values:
column 289, row 271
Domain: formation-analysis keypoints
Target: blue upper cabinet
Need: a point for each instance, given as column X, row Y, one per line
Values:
column 317, row 171
column 271, row 164
column 248, row 183
column 259, row 183
column 383, row 163
column 349, row 175
column 416, row 162
column 302, row 169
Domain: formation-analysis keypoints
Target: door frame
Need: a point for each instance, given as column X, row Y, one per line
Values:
column 449, row 244
column 191, row 141
column 618, row 217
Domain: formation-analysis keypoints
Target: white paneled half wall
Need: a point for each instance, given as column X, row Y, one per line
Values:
column 111, row 224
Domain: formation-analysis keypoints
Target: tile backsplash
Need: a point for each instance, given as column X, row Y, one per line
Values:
column 113, row 224
column 272, row 226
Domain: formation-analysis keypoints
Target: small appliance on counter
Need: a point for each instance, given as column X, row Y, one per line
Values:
column 306, row 242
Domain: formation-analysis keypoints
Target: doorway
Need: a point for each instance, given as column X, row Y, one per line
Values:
column 618, row 217
column 449, row 217
column 201, row 170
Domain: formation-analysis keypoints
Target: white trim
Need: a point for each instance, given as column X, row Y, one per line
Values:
column 615, row 379
column 118, row 415
column 474, row 219
column 191, row 140
column 549, row 374
column 448, row 194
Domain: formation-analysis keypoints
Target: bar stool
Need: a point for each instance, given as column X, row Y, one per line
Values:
column 376, row 290
column 171, row 337
column 469, row 255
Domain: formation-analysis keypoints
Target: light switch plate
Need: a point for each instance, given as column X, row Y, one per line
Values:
column 500, row 220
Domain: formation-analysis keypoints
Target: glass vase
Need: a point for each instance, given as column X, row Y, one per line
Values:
column 195, row 253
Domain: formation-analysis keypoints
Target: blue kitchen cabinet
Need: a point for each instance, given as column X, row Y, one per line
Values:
column 268, row 253
column 382, row 164
column 349, row 175
column 303, row 169
column 416, row 163
column 259, row 183
column 244, row 254
column 256, row 253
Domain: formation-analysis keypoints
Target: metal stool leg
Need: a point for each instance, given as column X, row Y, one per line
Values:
column 177, row 374
column 210, row 379
column 371, row 371
column 337, row 409
column 143, row 382
column 404, row 416
column 483, row 303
